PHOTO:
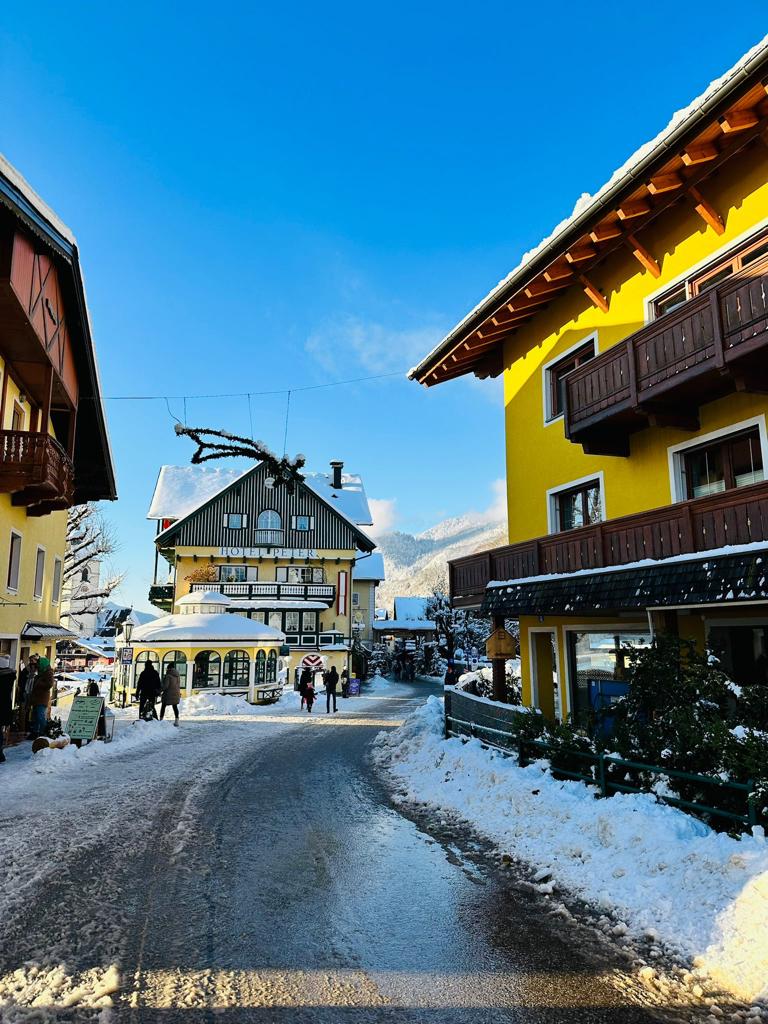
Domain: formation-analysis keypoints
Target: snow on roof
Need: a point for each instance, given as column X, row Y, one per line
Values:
column 404, row 625
column 411, row 608
column 22, row 185
column 201, row 628
column 350, row 499
column 588, row 205
column 369, row 568
column 181, row 489
column 205, row 597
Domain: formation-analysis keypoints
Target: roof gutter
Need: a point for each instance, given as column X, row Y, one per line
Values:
column 718, row 102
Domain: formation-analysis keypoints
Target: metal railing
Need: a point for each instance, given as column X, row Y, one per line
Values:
column 251, row 591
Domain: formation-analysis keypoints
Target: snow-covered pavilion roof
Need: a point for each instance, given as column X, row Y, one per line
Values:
column 371, row 567
column 200, row 629
column 404, row 626
column 204, row 597
column 411, row 608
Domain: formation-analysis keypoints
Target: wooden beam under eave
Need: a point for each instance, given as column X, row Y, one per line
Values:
column 634, row 208
column 606, row 231
column 593, row 293
column 706, row 211
column 642, row 255
column 522, row 305
column 581, row 254
column 544, row 288
column 558, row 272
column 664, row 183
column 738, row 121
column 699, row 154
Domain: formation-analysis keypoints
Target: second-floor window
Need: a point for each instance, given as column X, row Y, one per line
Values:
column 39, row 573
column 303, row 523
column 299, row 574
column 235, row 521
column 556, row 374
column 742, row 256
column 269, row 520
column 577, row 506
column 238, row 573
column 14, row 561
column 733, row 461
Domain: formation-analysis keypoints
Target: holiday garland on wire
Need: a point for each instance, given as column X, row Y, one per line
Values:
column 284, row 472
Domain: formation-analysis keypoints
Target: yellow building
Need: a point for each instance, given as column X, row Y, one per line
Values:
column 633, row 347
column 54, row 449
column 284, row 558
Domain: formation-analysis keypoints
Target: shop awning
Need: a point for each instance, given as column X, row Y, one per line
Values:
column 46, row 631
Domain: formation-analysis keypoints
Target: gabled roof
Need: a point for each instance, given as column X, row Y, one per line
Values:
column 366, row 543
column 371, row 567
column 350, row 498
column 94, row 468
column 729, row 114
column 181, row 489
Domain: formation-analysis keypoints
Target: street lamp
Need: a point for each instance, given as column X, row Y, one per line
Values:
column 125, row 670
column 127, row 631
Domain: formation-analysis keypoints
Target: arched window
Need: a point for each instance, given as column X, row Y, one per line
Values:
column 84, row 576
column 272, row 667
column 261, row 661
column 269, row 520
column 237, row 665
column 179, row 659
column 141, row 663
column 207, row 670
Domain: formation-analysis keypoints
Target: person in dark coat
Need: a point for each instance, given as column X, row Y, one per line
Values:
column 345, row 683
column 7, row 677
column 148, row 689
column 40, row 697
column 171, row 692
column 451, row 675
column 309, row 694
column 331, row 682
column 304, row 681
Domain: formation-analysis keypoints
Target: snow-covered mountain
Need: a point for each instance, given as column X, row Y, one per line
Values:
column 416, row 564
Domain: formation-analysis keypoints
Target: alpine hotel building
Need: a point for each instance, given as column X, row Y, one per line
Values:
column 633, row 344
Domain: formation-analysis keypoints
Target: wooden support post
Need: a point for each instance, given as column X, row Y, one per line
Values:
column 642, row 256
column 499, row 668
column 593, row 293
column 706, row 211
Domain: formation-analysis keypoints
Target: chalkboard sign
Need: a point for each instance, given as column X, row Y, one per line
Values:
column 84, row 717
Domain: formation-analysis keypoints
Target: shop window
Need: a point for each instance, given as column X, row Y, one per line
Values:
column 272, row 667
column 179, row 659
column 207, row 670
column 576, row 506
column 743, row 652
column 142, row 660
column 555, row 374
column 237, row 666
column 598, row 671
column 14, row 561
column 732, row 461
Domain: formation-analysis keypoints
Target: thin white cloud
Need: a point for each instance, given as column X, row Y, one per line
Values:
column 384, row 512
column 372, row 346
column 497, row 510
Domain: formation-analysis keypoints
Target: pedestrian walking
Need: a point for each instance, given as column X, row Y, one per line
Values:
column 304, row 681
column 171, row 694
column 7, row 677
column 40, row 698
column 309, row 695
column 148, row 689
column 345, row 682
column 331, row 682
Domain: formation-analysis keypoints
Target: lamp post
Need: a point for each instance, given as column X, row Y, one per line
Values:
column 127, row 634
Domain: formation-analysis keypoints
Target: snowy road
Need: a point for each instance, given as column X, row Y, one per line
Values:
column 254, row 870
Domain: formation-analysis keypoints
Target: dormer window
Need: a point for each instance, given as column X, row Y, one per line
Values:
column 235, row 521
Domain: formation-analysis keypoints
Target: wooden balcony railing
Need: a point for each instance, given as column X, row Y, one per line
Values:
column 712, row 344
column 36, row 470
column 739, row 516
column 325, row 592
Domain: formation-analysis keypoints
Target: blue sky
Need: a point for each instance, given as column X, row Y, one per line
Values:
column 288, row 195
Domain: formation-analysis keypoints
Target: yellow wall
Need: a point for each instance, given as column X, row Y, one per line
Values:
column 538, row 456
column 47, row 532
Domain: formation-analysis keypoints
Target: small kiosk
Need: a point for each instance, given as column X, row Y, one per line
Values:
column 211, row 648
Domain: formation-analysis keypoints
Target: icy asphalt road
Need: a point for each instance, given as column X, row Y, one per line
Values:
column 255, row 871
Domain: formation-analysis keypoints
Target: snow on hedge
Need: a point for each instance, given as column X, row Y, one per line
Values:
column 656, row 868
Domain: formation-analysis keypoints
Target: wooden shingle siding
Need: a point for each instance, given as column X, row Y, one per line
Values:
column 249, row 496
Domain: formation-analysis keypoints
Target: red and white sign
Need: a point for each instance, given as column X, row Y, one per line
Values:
column 312, row 661
column 341, row 600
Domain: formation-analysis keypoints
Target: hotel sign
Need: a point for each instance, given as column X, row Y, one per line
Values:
column 268, row 552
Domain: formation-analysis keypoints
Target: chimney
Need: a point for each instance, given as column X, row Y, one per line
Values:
column 336, row 466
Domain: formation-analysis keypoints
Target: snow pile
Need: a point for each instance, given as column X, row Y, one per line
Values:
column 657, row 869
column 205, row 705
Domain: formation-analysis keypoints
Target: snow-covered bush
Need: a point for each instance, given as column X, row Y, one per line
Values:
column 380, row 661
column 480, row 683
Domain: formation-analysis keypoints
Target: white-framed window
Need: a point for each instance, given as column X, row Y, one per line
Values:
column 14, row 562
column 291, row 622
column 39, row 574
column 299, row 574
column 235, row 521
column 269, row 520
column 309, row 622
column 577, row 503
column 56, row 589
column 722, row 460
column 229, row 573
column 355, row 599
column 556, row 370
column 304, row 524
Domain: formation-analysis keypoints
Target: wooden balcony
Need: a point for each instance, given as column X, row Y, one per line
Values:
column 659, row 376
column 161, row 596
column 739, row 516
column 36, row 470
column 324, row 592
